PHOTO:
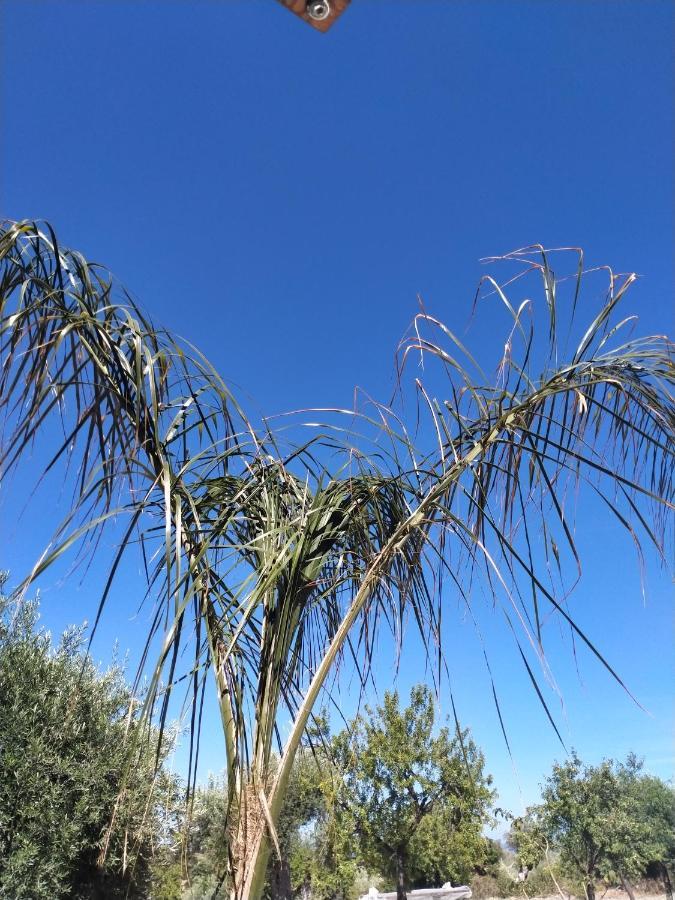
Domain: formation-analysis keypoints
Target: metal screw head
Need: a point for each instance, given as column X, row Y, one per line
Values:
column 318, row 9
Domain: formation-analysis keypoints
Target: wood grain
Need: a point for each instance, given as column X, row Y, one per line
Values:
column 299, row 6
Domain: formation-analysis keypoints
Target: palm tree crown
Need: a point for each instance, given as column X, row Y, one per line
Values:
column 270, row 558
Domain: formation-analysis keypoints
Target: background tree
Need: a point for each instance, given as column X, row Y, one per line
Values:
column 407, row 787
column 276, row 557
column 304, row 806
column 577, row 802
column 450, row 846
column 336, row 864
column 316, row 832
column 655, row 803
column 607, row 821
column 640, row 828
column 71, row 783
column 527, row 839
column 206, row 837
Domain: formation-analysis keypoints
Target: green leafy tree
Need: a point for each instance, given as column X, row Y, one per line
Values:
column 81, row 806
column 336, row 861
column 166, row 877
column 449, row 845
column 316, row 832
column 655, row 802
column 539, row 870
column 419, row 801
column 332, row 861
column 608, row 822
column 527, row 839
column 278, row 555
column 304, row 807
column 640, row 828
column 577, row 802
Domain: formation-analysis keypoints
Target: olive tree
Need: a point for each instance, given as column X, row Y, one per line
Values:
column 77, row 775
column 608, row 823
column 419, row 799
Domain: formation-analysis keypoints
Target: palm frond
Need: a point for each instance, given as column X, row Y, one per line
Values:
column 134, row 413
column 514, row 458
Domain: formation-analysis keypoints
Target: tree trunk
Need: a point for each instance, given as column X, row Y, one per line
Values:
column 667, row 884
column 248, row 838
column 628, row 887
column 589, row 887
column 281, row 880
column 400, row 876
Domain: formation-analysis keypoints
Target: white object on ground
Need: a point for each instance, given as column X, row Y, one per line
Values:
column 447, row 892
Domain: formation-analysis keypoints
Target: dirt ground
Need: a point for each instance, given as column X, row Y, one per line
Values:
column 612, row 894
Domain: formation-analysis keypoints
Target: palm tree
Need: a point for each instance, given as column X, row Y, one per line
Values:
column 286, row 556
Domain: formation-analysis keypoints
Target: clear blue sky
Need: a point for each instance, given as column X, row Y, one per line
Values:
column 280, row 198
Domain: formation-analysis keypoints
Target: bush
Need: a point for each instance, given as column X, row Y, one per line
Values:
column 63, row 763
column 485, row 886
column 166, row 878
column 540, row 882
column 501, row 884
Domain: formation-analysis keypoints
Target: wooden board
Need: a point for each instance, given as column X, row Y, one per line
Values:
column 299, row 7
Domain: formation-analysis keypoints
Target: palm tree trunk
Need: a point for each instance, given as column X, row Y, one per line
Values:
column 246, row 858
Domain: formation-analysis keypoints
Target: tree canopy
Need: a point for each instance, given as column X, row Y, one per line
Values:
column 82, row 806
column 419, row 799
column 607, row 823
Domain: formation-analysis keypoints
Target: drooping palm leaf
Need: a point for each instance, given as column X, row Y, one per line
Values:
column 131, row 408
column 505, row 456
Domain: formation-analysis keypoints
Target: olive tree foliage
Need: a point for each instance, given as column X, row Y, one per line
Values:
column 641, row 828
column 82, row 807
column 608, row 823
column 270, row 555
column 527, row 839
column 205, row 845
column 419, row 799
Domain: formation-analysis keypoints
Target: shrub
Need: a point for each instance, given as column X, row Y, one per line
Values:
column 63, row 763
column 485, row 886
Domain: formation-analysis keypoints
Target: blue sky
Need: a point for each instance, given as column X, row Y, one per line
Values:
column 280, row 198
